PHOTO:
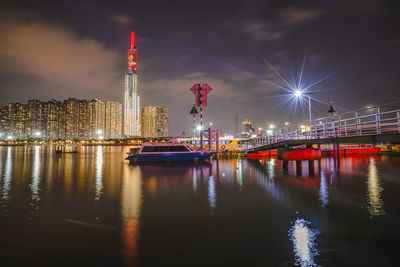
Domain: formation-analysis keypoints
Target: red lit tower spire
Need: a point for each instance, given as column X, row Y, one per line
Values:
column 132, row 53
column 132, row 99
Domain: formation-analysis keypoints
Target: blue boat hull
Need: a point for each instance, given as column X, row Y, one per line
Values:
column 170, row 156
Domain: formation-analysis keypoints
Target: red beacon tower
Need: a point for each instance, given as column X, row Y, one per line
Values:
column 132, row 54
column 201, row 90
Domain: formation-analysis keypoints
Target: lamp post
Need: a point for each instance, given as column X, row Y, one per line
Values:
column 298, row 94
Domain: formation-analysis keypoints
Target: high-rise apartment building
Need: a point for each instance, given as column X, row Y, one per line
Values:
column 113, row 120
column 97, row 119
column 154, row 121
column 131, row 97
column 71, row 119
column 54, row 126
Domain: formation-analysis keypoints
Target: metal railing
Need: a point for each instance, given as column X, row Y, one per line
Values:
column 373, row 120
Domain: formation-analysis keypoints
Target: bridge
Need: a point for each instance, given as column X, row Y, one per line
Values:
column 373, row 125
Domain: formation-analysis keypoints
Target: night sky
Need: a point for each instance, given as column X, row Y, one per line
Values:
column 61, row 49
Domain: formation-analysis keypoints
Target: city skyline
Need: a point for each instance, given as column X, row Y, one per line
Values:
column 48, row 53
column 71, row 119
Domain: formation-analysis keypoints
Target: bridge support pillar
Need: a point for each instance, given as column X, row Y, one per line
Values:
column 311, row 168
column 338, row 151
column 285, row 167
column 298, row 167
column 319, row 166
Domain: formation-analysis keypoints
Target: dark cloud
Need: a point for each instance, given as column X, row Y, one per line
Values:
column 296, row 15
column 123, row 20
column 58, row 60
column 262, row 31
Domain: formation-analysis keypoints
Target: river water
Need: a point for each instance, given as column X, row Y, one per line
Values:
column 93, row 208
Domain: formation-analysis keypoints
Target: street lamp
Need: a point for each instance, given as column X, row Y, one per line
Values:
column 199, row 127
column 298, row 94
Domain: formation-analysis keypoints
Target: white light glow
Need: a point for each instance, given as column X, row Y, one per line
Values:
column 99, row 173
column 375, row 201
column 212, row 199
column 297, row 93
column 304, row 246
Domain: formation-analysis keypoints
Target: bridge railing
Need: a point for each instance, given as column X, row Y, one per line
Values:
column 374, row 120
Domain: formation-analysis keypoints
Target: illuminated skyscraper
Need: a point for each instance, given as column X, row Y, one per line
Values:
column 154, row 122
column 97, row 119
column 247, row 128
column 113, row 120
column 131, row 98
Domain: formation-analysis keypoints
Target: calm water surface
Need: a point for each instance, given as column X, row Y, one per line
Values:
column 93, row 208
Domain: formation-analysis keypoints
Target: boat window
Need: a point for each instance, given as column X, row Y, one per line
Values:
column 164, row 149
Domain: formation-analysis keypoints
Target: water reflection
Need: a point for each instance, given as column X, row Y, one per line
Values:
column 5, row 189
column 99, row 173
column 35, row 175
column 194, row 179
column 212, row 200
column 374, row 191
column 270, row 167
column 131, row 200
column 304, row 245
column 261, row 174
column 323, row 190
column 239, row 172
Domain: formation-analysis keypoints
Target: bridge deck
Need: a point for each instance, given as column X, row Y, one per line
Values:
column 363, row 139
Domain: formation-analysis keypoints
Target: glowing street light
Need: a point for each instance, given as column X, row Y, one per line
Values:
column 287, row 123
column 37, row 133
column 271, row 126
column 298, row 94
column 199, row 127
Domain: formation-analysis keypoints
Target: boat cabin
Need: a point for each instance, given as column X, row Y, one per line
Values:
column 167, row 147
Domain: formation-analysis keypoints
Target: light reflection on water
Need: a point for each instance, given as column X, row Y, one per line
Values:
column 170, row 205
column 8, row 168
column 212, row 199
column 304, row 238
column 99, row 172
column 131, row 201
column 239, row 172
column 35, row 181
column 35, row 174
column 374, row 191
column 323, row 190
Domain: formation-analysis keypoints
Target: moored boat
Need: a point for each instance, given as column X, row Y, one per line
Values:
column 167, row 152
